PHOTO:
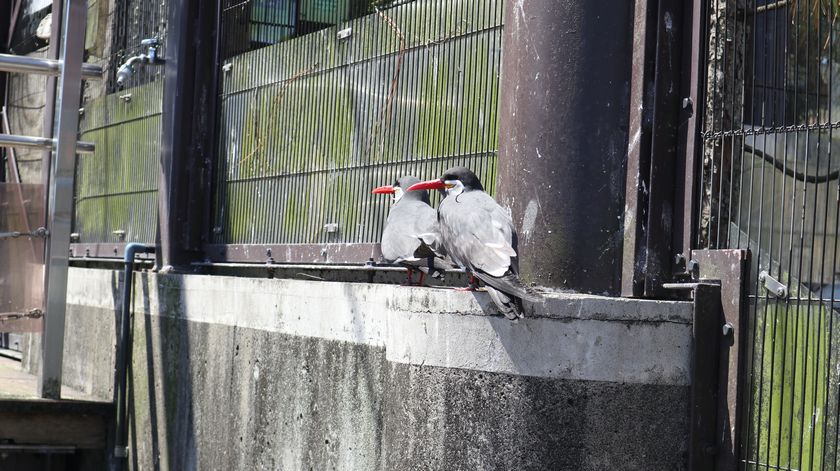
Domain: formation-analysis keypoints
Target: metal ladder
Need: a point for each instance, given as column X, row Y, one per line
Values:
column 70, row 70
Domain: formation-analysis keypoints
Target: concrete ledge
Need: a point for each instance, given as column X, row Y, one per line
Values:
column 569, row 336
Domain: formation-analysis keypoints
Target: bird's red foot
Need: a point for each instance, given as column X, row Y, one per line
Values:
column 410, row 279
column 473, row 286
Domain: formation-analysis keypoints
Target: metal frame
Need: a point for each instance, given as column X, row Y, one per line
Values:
column 189, row 96
column 294, row 253
column 730, row 268
column 60, row 206
column 655, row 100
column 706, row 335
column 102, row 251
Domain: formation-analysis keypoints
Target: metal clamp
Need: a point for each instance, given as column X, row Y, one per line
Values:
column 40, row 232
column 773, row 285
column 13, row 316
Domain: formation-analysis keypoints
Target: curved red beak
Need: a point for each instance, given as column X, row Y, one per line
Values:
column 428, row 185
column 383, row 190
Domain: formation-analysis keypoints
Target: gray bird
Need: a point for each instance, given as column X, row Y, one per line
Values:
column 479, row 235
column 411, row 236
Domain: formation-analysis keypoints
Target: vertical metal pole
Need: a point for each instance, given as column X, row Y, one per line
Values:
column 61, row 197
column 691, row 123
column 186, row 158
column 634, row 256
column 49, row 104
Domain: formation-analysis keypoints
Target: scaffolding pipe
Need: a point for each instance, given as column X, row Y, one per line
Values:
column 37, row 65
column 43, row 143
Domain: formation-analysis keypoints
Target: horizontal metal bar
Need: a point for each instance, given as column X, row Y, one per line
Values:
column 771, row 6
column 43, row 143
column 102, row 250
column 294, row 253
column 712, row 135
column 38, row 449
column 36, row 65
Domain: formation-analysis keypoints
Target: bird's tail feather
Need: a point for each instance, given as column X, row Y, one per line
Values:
column 512, row 285
column 510, row 306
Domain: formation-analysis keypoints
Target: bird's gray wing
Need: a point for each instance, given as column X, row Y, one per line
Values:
column 477, row 232
column 401, row 241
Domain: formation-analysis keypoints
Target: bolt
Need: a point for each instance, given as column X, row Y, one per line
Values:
column 693, row 267
column 727, row 329
column 781, row 292
column 268, row 252
column 679, row 259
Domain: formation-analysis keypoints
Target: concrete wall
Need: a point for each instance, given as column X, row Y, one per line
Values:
column 243, row 373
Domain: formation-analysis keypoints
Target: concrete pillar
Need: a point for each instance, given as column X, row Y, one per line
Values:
column 563, row 137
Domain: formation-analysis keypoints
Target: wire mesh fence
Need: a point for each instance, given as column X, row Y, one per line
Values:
column 770, row 184
column 116, row 187
column 311, row 124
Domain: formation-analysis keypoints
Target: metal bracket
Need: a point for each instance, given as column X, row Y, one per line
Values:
column 774, row 286
column 730, row 268
column 121, row 452
column 708, row 331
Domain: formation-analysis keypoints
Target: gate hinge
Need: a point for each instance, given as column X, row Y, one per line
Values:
column 773, row 285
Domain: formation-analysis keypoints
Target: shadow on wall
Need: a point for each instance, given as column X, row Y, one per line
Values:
column 160, row 381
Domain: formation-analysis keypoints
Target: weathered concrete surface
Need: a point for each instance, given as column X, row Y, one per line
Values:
column 239, row 373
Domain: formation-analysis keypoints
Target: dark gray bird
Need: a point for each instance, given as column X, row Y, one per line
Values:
column 411, row 237
column 478, row 234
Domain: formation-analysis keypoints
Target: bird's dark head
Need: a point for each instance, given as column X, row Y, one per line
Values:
column 454, row 181
column 400, row 190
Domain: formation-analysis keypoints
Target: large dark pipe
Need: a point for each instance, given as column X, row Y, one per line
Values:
column 563, row 110
column 124, row 354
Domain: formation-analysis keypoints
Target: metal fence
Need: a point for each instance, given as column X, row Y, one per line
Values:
column 311, row 124
column 116, row 188
column 319, row 102
column 770, row 184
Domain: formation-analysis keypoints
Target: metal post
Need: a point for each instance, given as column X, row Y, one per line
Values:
column 49, row 104
column 61, row 197
column 690, row 143
column 563, row 138
column 187, row 130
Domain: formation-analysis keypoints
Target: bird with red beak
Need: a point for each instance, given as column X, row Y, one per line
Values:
column 411, row 237
column 479, row 235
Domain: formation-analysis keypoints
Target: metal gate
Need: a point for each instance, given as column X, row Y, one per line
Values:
column 769, row 183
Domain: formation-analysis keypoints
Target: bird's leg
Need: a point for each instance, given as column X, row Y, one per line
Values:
column 422, row 279
column 473, row 286
column 410, row 277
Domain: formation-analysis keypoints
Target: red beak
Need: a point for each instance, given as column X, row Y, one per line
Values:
column 383, row 190
column 428, row 185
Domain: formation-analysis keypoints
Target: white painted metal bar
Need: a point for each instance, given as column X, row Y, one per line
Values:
column 43, row 143
column 37, row 65
column 61, row 196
